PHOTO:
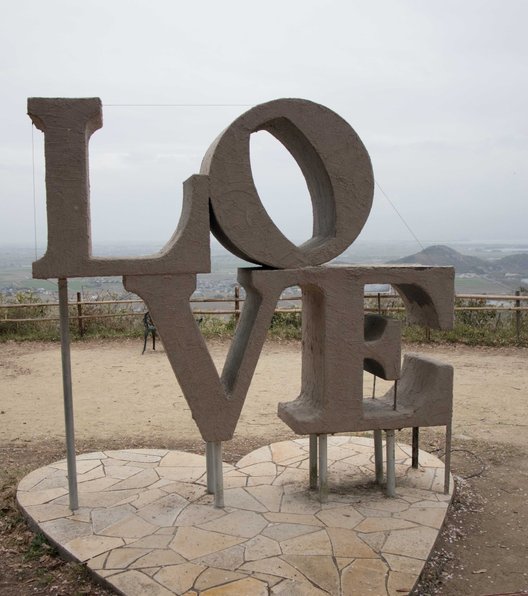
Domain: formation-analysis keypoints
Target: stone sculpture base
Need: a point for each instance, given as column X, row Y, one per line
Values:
column 146, row 524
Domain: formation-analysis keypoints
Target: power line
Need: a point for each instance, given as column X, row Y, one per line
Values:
column 177, row 105
column 421, row 245
column 400, row 215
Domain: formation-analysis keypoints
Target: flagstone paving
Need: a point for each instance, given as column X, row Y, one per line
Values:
column 146, row 524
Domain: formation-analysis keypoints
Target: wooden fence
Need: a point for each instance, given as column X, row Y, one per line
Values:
column 375, row 302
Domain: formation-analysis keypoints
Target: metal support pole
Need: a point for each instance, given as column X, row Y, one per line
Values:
column 391, row 463
column 209, row 466
column 518, row 317
column 447, row 459
column 313, row 461
column 67, row 391
column 415, row 445
column 378, row 443
column 323, row 468
column 378, row 456
column 218, row 475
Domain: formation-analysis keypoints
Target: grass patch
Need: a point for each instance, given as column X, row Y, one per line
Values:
column 39, row 547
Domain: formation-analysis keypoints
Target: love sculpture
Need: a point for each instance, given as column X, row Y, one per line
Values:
column 338, row 340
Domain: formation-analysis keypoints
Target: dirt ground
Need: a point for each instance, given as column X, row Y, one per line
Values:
column 122, row 398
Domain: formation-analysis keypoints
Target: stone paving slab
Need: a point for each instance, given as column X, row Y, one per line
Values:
column 146, row 524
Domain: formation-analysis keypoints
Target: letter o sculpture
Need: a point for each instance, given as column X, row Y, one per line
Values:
column 338, row 174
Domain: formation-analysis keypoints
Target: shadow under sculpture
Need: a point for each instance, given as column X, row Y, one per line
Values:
column 338, row 341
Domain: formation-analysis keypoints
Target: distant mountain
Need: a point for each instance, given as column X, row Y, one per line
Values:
column 443, row 255
column 514, row 263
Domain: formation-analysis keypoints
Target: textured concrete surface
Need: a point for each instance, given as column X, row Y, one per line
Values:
column 335, row 165
column 146, row 524
column 337, row 345
column 331, row 398
column 67, row 125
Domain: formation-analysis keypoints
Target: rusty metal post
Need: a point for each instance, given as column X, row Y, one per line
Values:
column 313, row 461
column 80, row 320
column 378, row 456
column 415, row 446
column 237, row 303
column 323, row 468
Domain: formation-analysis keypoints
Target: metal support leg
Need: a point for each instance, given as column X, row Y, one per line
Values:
column 415, row 446
column 323, row 468
column 378, row 456
column 391, row 463
column 67, row 390
column 447, row 459
column 218, row 475
column 313, row 461
column 209, row 466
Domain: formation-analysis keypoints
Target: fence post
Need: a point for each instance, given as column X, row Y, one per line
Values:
column 80, row 320
column 237, row 303
column 518, row 316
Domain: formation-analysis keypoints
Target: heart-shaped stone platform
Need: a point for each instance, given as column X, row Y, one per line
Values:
column 146, row 524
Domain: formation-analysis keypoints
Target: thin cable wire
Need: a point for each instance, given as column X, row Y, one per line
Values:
column 400, row 215
column 177, row 105
column 421, row 245
column 34, row 187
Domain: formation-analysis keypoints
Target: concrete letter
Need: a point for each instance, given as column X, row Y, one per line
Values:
column 215, row 402
column 67, row 125
column 337, row 344
column 334, row 162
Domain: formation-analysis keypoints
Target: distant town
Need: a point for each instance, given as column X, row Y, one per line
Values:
column 480, row 268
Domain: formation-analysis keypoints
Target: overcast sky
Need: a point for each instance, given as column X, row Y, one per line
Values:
column 438, row 92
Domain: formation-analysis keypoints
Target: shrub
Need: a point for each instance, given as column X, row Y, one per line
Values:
column 472, row 327
column 36, row 309
column 286, row 325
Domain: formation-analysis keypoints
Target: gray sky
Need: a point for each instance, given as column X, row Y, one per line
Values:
column 438, row 92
